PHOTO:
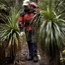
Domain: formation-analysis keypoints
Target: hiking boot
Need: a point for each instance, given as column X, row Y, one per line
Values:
column 35, row 59
column 29, row 57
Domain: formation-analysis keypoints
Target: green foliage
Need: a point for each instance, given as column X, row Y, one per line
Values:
column 5, row 6
column 62, row 61
column 59, row 6
column 4, row 12
column 7, row 2
column 63, row 52
column 9, row 32
column 52, row 29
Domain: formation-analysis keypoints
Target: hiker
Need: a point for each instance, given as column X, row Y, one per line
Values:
column 24, row 22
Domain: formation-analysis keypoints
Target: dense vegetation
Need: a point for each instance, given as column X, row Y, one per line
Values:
column 51, row 32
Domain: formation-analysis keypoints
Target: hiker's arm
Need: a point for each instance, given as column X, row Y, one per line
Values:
column 21, row 23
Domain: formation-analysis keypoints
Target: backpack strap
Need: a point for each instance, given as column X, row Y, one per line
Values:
column 22, row 14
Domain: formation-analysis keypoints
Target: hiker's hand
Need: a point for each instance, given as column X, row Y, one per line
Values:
column 22, row 33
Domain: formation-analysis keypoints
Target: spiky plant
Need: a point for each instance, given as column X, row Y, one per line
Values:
column 9, row 32
column 4, row 12
column 52, row 30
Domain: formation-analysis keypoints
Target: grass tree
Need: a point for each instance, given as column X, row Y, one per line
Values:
column 9, row 32
column 52, row 30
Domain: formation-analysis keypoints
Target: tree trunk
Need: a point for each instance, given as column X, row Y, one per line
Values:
column 56, row 59
column 16, row 4
column 2, row 53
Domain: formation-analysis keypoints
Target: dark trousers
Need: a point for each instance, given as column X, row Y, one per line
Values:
column 32, row 45
column 32, row 48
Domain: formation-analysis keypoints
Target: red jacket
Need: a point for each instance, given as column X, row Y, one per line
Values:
column 26, row 16
column 24, row 20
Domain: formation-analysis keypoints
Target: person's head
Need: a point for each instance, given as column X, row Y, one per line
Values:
column 26, row 4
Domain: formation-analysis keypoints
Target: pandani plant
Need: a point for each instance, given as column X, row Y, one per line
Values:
column 9, row 32
column 51, row 33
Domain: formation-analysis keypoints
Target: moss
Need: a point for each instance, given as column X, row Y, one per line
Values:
column 3, row 7
column 62, row 61
column 63, row 51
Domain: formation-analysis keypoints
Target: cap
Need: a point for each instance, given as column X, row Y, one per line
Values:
column 26, row 2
